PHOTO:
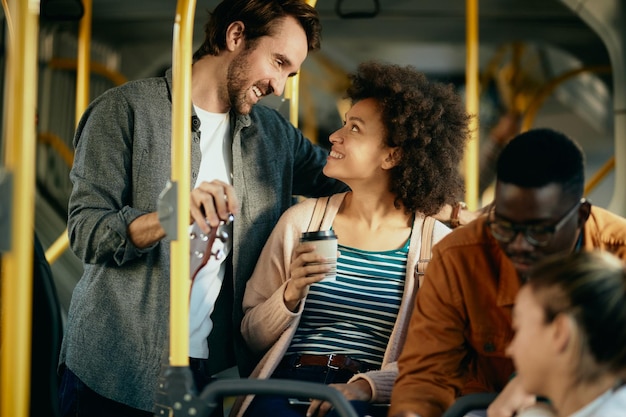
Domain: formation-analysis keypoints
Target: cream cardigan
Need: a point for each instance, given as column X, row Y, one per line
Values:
column 268, row 326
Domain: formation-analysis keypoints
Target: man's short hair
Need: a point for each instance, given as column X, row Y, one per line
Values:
column 259, row 18
column 539, row 157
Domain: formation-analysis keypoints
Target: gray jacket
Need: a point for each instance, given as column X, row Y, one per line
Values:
column 117, row 327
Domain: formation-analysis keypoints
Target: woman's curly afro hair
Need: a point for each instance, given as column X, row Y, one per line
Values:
column 428, row 123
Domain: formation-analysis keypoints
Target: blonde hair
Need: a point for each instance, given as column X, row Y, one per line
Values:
column 589, row 287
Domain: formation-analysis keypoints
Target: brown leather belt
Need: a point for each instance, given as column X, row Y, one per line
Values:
column 332, row 361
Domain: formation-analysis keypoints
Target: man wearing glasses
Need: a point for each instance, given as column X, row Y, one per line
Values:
column 461, row 324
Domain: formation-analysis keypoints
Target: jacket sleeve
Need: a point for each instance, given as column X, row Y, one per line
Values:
column 380, row 381
column 100, row 203
column 265, row 314
column 430, row 367
column 606, row 231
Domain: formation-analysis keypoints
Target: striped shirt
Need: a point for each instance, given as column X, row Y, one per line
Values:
column 354, row 314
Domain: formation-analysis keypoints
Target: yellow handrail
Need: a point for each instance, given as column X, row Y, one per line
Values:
column 84, row 60
column 82, row 100
column 56, row 143
column 56, row 249
column 472, row 104
column 292, row 93
column 599, row 175
column 181, row 167
column 61, row 244
column 17, row 263
column 548, row 89
column 116, row 77
column 540, row 98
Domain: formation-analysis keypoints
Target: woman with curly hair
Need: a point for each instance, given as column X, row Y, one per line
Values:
column 399, row 152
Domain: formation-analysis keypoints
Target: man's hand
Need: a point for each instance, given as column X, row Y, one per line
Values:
column 145, row 230
column 358, row 390
column 512, row 399
column 211, row 202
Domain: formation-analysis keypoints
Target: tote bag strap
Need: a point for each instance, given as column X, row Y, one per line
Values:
column 425, row 250
column 318, row 214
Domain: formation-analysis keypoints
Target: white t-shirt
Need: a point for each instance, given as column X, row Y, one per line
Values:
column 216, row 163
column 610, row 404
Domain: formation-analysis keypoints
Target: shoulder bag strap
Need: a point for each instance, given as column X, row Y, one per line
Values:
column 425, row 250
column 318, row 214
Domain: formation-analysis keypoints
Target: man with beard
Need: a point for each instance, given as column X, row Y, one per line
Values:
column 246, row 160
column 461, row 324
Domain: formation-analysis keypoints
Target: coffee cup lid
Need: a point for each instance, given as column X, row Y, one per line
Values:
column 319, row 235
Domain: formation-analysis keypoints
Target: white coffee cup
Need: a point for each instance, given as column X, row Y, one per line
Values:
column 325, row 242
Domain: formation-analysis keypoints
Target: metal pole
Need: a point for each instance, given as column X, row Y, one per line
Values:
column 472, row 104
column 608, row 19
column 83, row 72
column 181, row 168
column 83, row 69
column 292, row 91
column 17, row 263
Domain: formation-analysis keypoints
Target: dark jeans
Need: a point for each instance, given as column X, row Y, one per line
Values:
column 200, row 372
column 273, row 405
column 78, row 400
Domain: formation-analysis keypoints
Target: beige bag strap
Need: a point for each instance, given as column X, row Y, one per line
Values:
column 425, row 250
column 318, row 214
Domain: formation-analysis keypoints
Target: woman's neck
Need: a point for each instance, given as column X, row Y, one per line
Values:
column 371, row 222
column 373, row 209
column 573, row 398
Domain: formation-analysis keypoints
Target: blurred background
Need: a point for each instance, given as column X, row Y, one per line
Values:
column 540, row 65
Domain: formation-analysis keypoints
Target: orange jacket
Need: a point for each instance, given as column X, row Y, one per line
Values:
column 461, row 324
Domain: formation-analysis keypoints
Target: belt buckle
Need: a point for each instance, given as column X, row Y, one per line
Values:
column 296, row 362
column 329, row 364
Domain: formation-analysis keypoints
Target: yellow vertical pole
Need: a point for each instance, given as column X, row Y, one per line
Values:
column 292, row 91
column 17, row 264
column 83, row 73
column 181, row 173
column 472, row 104
column 83, row 69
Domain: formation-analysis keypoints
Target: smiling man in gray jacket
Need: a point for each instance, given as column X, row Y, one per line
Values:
column 246, row 159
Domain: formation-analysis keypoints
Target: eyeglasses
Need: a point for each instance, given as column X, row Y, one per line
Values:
column 535, row 235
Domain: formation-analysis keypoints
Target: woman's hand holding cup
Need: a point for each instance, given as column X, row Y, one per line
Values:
column 308, row 267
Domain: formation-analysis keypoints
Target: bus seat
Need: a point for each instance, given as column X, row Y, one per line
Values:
column 47, row 332
column 471, row 405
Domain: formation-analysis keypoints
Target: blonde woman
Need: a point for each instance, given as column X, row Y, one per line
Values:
column 570, row 341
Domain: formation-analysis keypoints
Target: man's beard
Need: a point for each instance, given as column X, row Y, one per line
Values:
column 236, row 82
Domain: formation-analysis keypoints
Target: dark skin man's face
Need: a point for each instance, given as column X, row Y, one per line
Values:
column 537, row 209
